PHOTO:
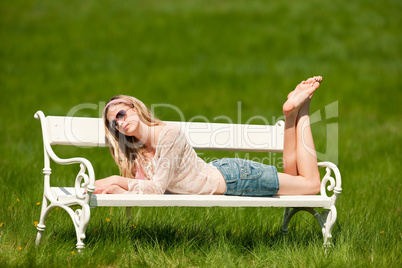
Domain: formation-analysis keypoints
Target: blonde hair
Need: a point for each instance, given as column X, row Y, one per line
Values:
column 128, row 151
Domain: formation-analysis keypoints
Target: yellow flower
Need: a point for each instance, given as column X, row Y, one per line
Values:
column 18, row 200
column 73, row 253
column 19, row 248
column 133, row 226
column 38, row 203
column 1, row 224
column 107, row 220
column 36, row 223
column 382, row 232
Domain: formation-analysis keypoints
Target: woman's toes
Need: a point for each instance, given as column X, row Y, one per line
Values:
column 310, row 80
column 318, row 79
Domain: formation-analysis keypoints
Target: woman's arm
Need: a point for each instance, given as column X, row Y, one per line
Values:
column 111, row 185
column 171, row 152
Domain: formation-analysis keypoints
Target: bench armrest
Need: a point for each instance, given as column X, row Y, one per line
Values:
column 85, row 165
column 334, row 183
column 83, row 180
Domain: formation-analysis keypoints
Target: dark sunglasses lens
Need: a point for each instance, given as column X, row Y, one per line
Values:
column 120, row 114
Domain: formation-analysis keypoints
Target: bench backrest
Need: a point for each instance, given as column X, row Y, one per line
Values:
column 83, row 131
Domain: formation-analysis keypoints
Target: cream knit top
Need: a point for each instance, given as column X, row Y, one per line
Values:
column 175, row 168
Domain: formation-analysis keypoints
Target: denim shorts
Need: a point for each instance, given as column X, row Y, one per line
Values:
column 248, row 178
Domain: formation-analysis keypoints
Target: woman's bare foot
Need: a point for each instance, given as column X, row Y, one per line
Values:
column 311, row 80
column 297, row 97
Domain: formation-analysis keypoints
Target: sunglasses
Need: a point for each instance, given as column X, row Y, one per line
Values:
column 121, row 115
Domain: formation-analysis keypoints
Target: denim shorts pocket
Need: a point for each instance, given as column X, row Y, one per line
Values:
column 248, row 170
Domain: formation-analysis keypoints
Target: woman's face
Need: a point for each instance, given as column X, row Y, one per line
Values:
column 124, row 118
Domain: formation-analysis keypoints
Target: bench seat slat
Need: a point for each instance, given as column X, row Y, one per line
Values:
column 172, row 200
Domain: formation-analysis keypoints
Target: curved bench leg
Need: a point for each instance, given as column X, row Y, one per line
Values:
column 326, row 219
column 329, row 218
column 289, row 213
column 43, row 215
column 80, row 218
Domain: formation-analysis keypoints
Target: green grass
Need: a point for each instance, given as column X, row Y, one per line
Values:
column 203, row 57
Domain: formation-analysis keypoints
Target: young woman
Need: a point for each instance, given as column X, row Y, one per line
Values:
column 156, row 158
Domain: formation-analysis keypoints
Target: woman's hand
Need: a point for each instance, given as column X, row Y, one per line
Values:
column 111, row 185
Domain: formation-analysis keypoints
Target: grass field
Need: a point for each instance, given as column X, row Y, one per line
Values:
column 204, row 57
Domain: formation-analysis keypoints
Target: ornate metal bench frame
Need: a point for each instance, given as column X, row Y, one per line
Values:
column 81, row 131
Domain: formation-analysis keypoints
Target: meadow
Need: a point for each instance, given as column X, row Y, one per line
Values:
column 207, row 58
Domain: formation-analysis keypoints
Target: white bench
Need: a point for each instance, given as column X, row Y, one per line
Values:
column 80, row 131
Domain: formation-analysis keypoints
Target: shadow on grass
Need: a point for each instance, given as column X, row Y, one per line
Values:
column 303, row 232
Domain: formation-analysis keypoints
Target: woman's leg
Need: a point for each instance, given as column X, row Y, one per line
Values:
column 301, row 174
column 306, row 155
column 289, row 147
